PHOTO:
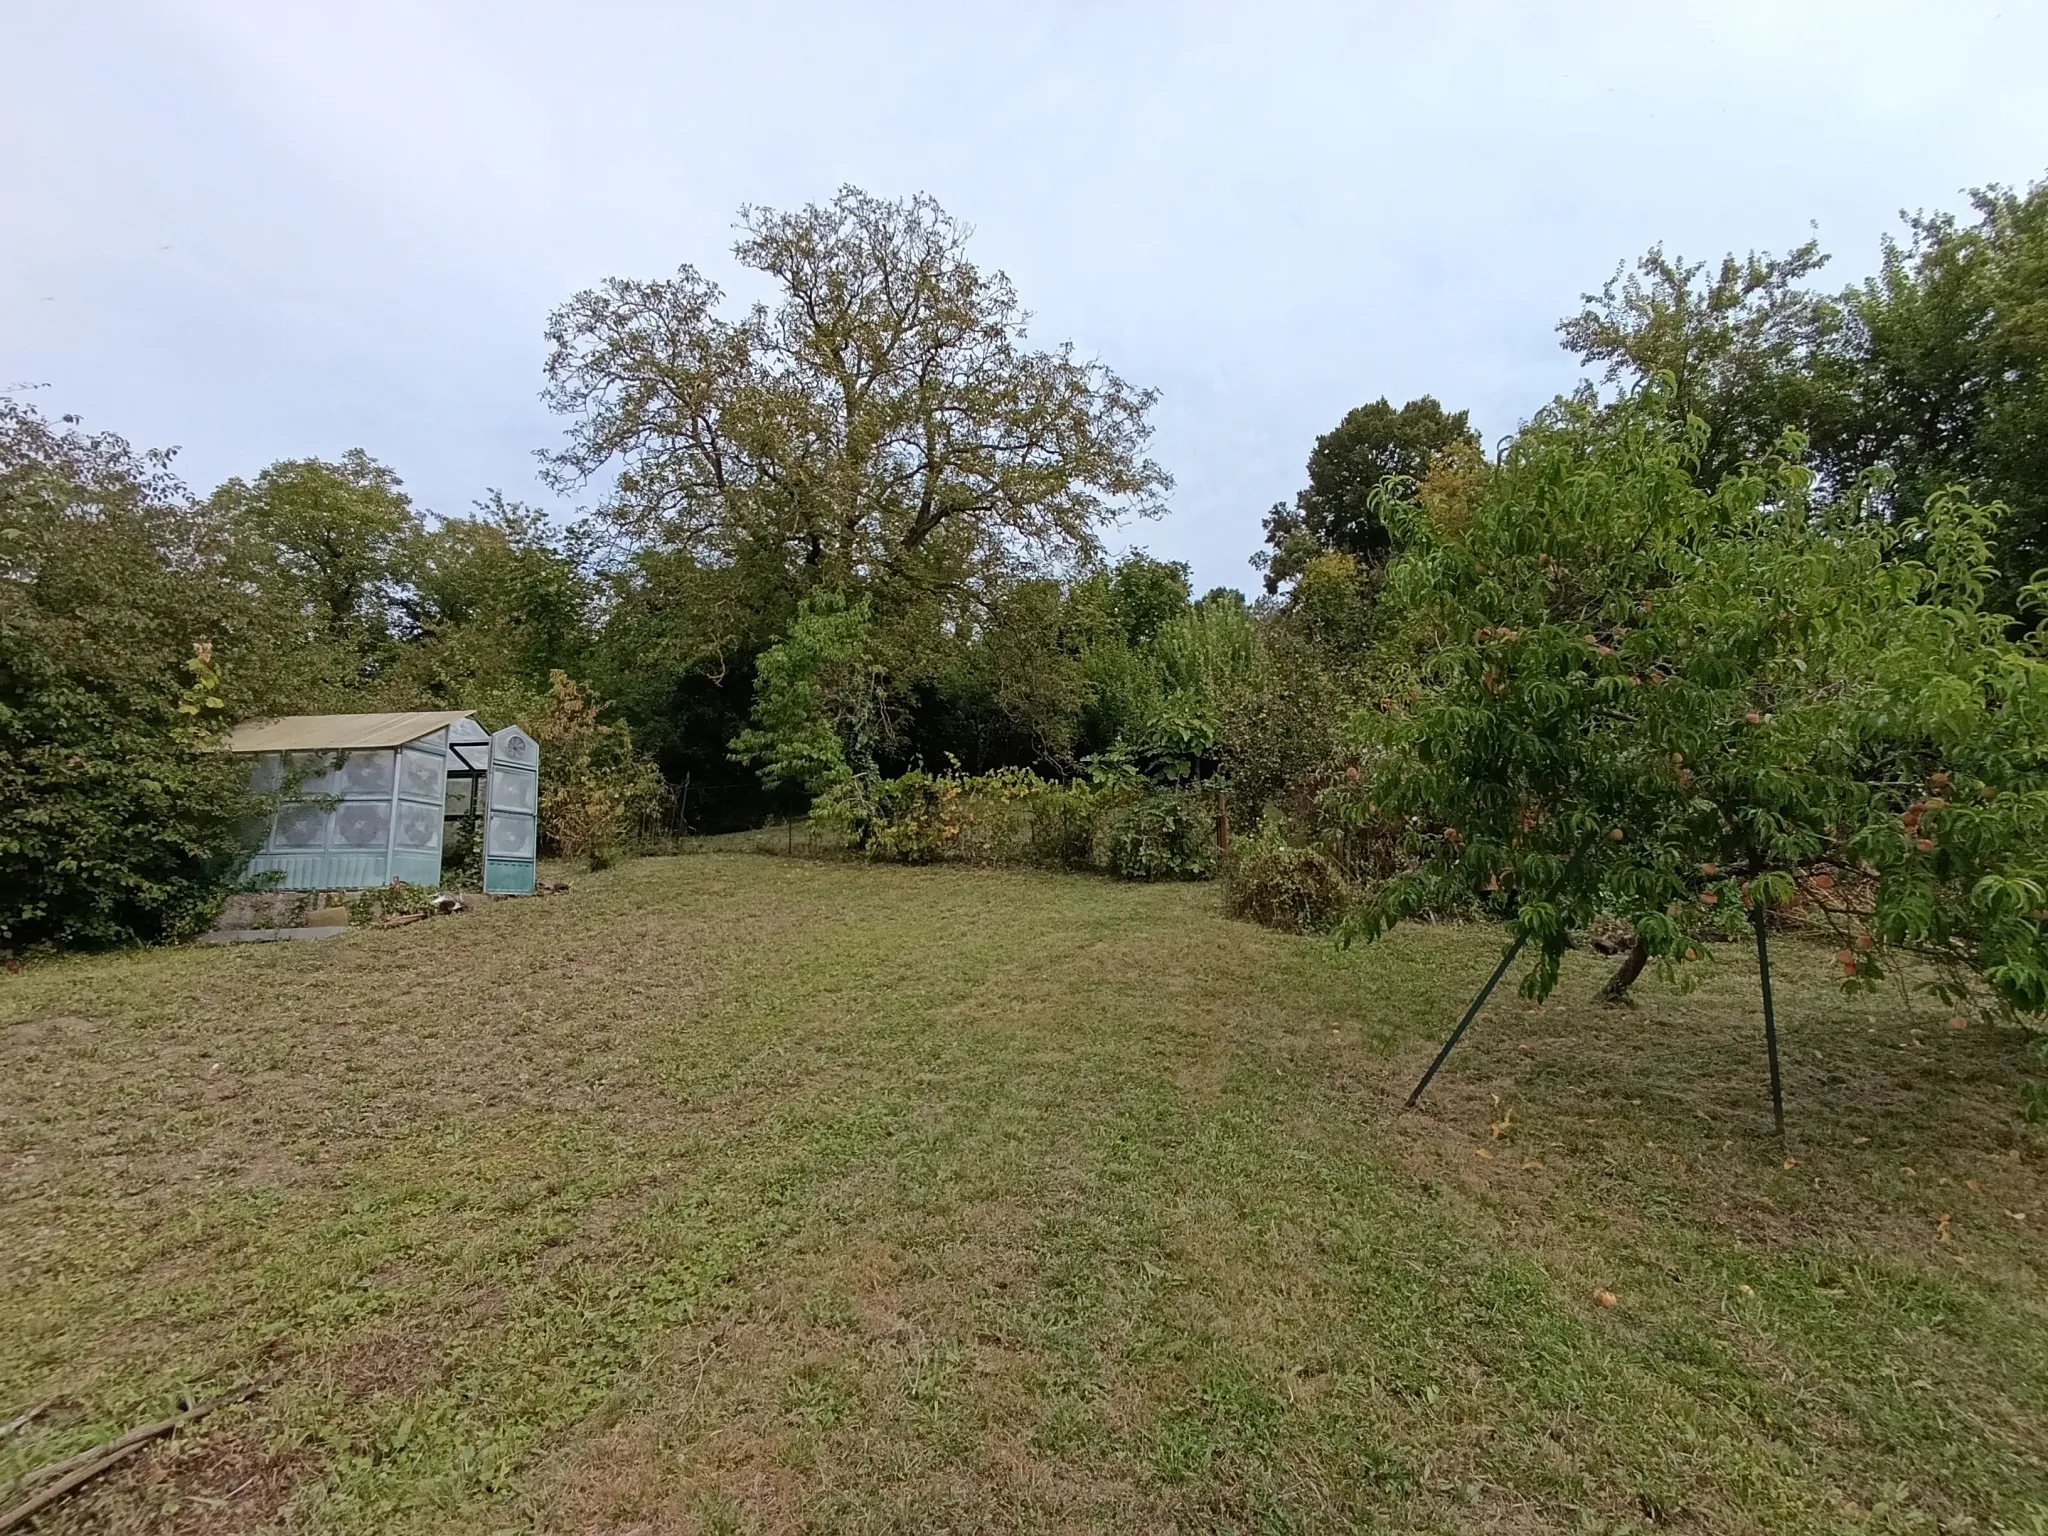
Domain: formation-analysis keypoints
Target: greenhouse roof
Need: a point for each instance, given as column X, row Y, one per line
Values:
column 339, row 733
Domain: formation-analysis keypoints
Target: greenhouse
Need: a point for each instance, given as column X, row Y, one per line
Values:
column 364, row 800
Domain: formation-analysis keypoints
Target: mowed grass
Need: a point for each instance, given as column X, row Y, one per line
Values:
column 732, row 1193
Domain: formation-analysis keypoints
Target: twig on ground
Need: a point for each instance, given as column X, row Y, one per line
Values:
column 75, row 1471
column 21, row 1421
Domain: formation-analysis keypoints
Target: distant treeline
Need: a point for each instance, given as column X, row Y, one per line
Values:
column 858, row 531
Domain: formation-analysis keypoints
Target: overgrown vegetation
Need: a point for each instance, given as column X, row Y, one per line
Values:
column 887, row 1197
column 597, row 795
column 847, row 558
column 115, row 822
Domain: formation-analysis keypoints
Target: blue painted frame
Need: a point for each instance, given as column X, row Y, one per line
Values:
column 512, row 814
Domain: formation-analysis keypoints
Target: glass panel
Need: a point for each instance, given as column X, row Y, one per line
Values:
column 362, row 824
column 367, row 773
column 300, row 826
column 511, row 837
column 311, row 770
column 459, row 791
column 513, row 791
column 421, row 776
column 268, row 775
column 419, row 826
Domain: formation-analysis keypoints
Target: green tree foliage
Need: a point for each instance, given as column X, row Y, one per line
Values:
column 1931, row 370
column 1950, row 340
column 881, row 427
column 882, row 421
column 1019, row 688
column 330, row 539
column 1745, row 348
column 1336, row 513
column 819, row 704
column 852, row 534
column 1144, row 594
column 1635, row 695
column 1208, row 656
column 115, row 825
column 493, row 604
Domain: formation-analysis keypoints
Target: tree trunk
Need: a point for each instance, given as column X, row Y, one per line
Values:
column 1616, row 990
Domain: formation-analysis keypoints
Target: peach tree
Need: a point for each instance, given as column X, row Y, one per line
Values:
column 1609, row 692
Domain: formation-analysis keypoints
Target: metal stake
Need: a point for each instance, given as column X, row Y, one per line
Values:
column 1763, row 961
column 1472, row 1013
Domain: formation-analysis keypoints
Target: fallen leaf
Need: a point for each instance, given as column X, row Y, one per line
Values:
column 1483, row 1152
column 1604, row 1298
column 1532, row 1166
column 1746, row 1290
column 1941, row 1227
column 1862, row 1141
column 1791, row 1162
column 2017, row 1215
column 1973, row 1186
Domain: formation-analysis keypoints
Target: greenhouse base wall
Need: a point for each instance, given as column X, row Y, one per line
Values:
column 327, row 871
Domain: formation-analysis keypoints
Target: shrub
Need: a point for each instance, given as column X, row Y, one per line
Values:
column 915, row 819
column 597, row 794
column 928, row 818
column 1294, row 889
column 1065, row 821
column 1012, row 816
column 115, row 824
column 1164, row 836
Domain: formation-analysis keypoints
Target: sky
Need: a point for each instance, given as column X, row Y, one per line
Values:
column 266, row 230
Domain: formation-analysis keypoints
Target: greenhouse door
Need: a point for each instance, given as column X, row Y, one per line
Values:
column 512, row 814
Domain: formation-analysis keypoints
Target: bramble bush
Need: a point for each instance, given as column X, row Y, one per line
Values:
column 928, row 818
column 1013, row 816
column 1065, row 822
column 1165, row 835
column 1283, row 884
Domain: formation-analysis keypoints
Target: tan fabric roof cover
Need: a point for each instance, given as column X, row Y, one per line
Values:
column 338, row 733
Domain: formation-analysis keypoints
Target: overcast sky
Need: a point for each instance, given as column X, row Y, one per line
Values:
column 263, row 230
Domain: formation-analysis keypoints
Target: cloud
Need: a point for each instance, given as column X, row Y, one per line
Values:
column 1270, row 212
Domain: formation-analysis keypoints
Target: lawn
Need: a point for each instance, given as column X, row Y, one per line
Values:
column 727, row 1192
